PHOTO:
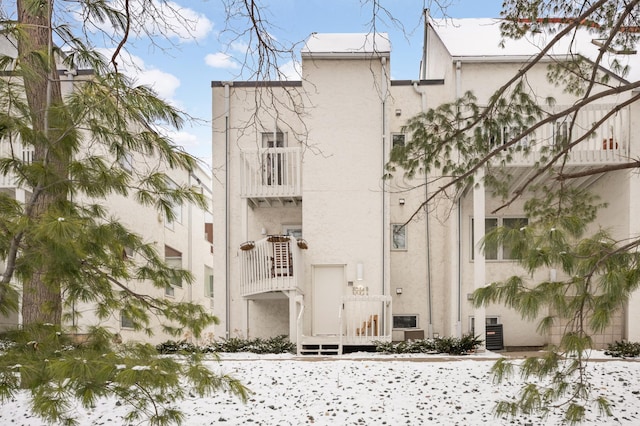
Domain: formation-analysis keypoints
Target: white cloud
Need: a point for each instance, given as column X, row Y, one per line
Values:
column 220, row 60
column 240, row 46
column 163, row 83
column 184, row 139
column 291, row 70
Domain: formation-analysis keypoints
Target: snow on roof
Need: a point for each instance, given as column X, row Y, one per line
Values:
column 352, row 44
column 480, row 37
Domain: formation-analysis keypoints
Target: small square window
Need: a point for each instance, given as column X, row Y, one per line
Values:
column 125, row 320
column 405, row 321
column 398, row 236
column 208, row 282
column 398, row 139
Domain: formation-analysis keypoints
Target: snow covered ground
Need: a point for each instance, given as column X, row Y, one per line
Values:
column 366, row 389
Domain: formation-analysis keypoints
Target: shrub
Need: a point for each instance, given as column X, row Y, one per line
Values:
column 172, row 347
column 441, row 345
column 623, row 349
column 274, row 345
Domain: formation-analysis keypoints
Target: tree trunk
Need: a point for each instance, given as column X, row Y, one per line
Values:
column 41, row 299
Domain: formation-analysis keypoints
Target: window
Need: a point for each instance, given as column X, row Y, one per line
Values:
column 176, row 210
column 405, row 321
column 487, row 320
column 398, row 139
column 398, row 236
column 125, row 320
column 208, row 282
column 493, row 251
column 293, row 230
column 268, row 139
column 173, row 259
column 511, row 223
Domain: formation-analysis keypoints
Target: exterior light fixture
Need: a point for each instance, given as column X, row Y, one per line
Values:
column 401, row 201
column 359, row 272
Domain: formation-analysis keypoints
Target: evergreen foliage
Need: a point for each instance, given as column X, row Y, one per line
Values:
column 274, row 345
column 73, row 154
column 442, row 345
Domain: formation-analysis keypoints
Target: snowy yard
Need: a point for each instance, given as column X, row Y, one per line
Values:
column 366, row 390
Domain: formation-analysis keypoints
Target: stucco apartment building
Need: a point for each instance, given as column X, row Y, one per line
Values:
column 309, row 239
column 185, row 242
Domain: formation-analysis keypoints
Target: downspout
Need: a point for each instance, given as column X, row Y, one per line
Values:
column 427, row 231
column 227, row 194
column 386, row 310
column 459, row 230
column 384, row 90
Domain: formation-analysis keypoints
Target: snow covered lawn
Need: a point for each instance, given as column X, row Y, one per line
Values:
column 366, row 390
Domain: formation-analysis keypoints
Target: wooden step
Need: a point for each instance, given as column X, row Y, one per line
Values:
column 320, row 349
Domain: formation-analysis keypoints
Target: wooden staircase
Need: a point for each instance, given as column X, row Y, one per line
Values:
column 369, row 327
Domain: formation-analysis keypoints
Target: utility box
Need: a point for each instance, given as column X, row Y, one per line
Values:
column 413, row 335
column 495, row 337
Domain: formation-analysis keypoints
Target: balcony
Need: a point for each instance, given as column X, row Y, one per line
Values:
column 13, row 150
column 271, row 176
column 273, row 264
column 606, row 144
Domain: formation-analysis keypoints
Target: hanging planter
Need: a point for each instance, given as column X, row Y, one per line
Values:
column 303, row 244
column 247, row 245
column 278, row 238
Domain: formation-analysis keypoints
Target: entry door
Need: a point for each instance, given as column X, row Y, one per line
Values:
column 328, row 284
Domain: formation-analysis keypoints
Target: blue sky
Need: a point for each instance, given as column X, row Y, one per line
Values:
column 183, row 71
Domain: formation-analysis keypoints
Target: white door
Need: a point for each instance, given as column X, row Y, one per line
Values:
column 328, row 283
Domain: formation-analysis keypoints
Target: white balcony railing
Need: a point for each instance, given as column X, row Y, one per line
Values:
column 13, row 150
column 365, row 319
column 271, row 264
column 271, row 172
column 608, row 143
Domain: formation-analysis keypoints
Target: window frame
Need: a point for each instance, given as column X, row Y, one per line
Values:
column 500, row 249
column 400, row 144
column 208, row 282
column 400, row 230
column 416, row 321
column 173, row 259
column 126, row 321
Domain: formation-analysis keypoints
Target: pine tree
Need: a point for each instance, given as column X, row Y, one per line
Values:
column 63, row 245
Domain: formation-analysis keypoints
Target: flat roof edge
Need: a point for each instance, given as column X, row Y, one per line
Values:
column 294, row 83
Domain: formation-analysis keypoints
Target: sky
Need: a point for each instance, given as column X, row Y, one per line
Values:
column 181, row 69
column 366, row 389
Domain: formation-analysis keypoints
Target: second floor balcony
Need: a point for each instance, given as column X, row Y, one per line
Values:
column 272, row 264
column 271, row 176
column 600, row 138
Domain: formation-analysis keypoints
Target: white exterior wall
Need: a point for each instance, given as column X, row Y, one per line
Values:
column 344, row 205
column 346, row 215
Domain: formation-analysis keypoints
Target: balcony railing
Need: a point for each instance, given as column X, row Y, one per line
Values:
column 271, row 173
column 365, row 319
column 607, row 143
column 271, row 264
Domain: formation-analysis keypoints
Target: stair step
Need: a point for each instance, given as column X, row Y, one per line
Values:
column 320, row 349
